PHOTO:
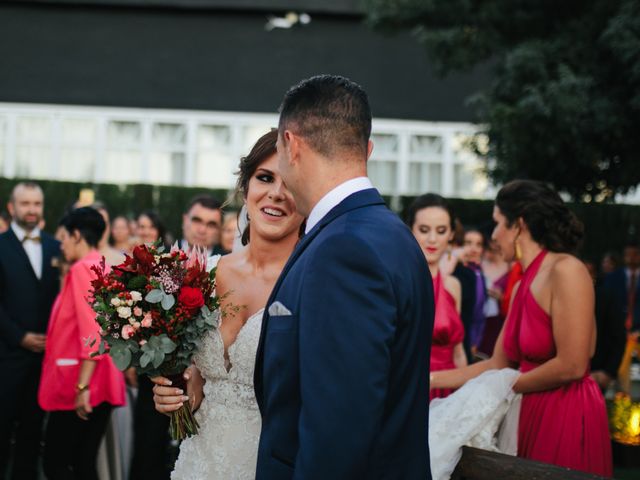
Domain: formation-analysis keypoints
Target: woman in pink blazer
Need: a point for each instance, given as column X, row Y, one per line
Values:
column 78, row 390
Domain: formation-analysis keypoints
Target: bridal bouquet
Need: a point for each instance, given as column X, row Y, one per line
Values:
column 153, row 311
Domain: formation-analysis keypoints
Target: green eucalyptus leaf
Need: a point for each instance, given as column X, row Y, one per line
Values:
column 166, row 344
column 121, row 358
column 145, row 359
column 155, row 296
column 167, row 301
column 158, row 358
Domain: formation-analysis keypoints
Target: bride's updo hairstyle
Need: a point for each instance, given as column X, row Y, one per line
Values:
column 547, row 217
column 426, row 201
column 263, row 149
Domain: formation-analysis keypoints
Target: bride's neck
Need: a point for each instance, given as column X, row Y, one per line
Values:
column 262, row 253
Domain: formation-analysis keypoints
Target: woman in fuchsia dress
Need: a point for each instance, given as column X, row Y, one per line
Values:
column 549, row 333
column 431, row 222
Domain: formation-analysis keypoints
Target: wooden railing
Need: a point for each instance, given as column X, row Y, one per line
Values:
column 477, row 464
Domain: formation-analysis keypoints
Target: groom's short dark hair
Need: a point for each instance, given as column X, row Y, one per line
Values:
column 330, row 112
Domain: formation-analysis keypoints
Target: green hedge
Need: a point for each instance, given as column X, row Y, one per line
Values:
column 607, row 226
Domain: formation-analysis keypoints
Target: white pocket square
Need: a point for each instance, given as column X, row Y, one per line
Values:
column 278, row 309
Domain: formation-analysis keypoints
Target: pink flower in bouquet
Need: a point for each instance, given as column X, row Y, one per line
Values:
column 147, row 320
column 127, row 332
column 191, row 298
column 197, row 257
column 137, row 311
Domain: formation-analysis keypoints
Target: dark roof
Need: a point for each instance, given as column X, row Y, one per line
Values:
column 216, row 60
column 349, row 7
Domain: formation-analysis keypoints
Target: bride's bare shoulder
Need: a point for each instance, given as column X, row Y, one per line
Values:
column 232, row 267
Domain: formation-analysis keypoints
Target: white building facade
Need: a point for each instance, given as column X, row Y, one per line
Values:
column 199, row 148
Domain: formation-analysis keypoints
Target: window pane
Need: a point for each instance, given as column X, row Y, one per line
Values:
column 464, row 180
column 167, row 168
column 426, row 146
column 169, row 135
column 122, row 134
column 33, row 129
column 213, row 137
column 33, row 162
column 215, row 169
column 77, row 164
column 425, row 177
column 250, row 136
column 79, row 131
column 384, row 146
column 383, row 175
column 123, row 167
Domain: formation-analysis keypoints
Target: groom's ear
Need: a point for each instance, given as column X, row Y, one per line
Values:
column 294, row 144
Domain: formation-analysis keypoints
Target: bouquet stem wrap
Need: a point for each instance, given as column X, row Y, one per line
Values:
column 183, row 423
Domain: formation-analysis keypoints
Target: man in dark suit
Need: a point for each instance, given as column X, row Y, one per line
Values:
column 611, row 336
column 29, row 283
column 342, row 369
column 617, row 314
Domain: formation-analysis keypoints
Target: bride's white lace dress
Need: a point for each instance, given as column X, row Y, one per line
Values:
column 226, row 446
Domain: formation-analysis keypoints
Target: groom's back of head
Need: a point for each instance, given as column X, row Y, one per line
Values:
column 331, row 113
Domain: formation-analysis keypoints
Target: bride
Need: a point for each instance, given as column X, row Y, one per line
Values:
column 220, row 383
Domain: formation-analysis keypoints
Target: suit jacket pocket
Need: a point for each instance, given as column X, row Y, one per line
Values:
column 281, row 323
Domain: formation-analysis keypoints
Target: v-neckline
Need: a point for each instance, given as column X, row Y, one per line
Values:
column 227, row 351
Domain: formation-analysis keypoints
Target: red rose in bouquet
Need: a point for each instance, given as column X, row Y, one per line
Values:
column 191, row 298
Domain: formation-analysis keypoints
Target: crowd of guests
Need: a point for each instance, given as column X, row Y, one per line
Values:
column 44, row 318
column 45, row 321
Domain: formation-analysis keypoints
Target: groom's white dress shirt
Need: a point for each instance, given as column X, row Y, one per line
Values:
column 334, row 197
column 32, row 248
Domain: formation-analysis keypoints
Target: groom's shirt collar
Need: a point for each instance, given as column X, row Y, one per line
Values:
column 334, row 197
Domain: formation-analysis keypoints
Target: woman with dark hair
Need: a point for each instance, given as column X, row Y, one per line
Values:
column 227, row 443
column 121, row 234
column 431, row 222
column 78, row 389
column 549, row 333
column 150, row 227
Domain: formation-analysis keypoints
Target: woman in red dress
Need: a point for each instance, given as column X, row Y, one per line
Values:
column 549, row 333
column 431, row 222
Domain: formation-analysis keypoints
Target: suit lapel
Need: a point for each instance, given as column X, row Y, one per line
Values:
column 363, row 198
column 17, row 246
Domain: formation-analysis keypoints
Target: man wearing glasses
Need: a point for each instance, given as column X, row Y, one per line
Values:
column 201, row 224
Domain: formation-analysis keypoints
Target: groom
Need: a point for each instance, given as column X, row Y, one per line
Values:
column 342, row 368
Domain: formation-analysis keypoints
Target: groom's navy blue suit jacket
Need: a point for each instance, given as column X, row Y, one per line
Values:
column 343, row 381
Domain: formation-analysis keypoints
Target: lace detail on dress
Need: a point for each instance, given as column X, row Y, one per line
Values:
column 227, row 445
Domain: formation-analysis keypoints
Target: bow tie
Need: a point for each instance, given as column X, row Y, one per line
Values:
column 35, row 238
